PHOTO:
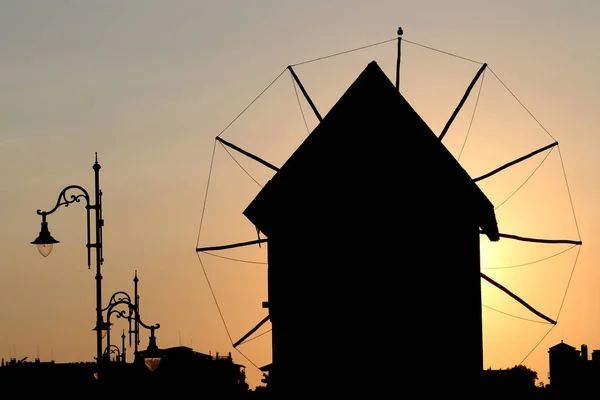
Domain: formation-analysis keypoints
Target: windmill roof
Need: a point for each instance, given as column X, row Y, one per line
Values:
column 371, row 143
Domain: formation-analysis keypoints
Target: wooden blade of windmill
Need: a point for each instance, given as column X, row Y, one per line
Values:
column 532, row 240
column 514, row 296
column 251, row 331
column 518, row 160
column 462, row 101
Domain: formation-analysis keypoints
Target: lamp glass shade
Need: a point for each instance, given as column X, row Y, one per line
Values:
column 103, row 327
column 44, row 241
column 45, row 249
column 152, row 363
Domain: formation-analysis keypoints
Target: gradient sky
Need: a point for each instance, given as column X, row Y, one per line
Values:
column 149, row 84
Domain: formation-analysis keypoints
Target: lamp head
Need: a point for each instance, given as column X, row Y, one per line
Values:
column 103, row 327
column 152, row 355
column 44, row 241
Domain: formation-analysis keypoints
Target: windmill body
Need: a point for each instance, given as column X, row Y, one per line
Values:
column 373, row 234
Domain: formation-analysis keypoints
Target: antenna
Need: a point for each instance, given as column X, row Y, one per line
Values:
column 179, row 332
column 400, row 32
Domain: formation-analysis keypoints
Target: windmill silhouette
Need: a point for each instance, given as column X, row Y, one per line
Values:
column 285, row 214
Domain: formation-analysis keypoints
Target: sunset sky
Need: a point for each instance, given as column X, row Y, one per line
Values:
column 148, row 85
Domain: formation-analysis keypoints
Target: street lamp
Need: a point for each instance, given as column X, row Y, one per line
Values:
column 103, row 327
column 118, row 298
column 152, row 355
column 45, row 241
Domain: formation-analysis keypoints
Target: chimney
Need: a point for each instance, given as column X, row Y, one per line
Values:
column 584, row 352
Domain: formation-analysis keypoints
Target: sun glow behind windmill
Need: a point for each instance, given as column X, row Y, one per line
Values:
column 454, row 132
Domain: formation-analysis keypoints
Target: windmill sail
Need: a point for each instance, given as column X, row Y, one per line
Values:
column 338, row 217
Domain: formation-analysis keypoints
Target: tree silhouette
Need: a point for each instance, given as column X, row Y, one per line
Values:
column 521, row 372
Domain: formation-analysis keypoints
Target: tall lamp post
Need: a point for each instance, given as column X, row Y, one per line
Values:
column 45, row 241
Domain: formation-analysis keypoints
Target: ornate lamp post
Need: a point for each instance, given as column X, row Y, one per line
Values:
column 45, row 241
column 152, row 356
column 117, row 299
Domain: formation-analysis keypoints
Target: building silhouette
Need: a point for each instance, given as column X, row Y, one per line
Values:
column 180, row 369
column 573, row 371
